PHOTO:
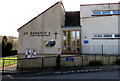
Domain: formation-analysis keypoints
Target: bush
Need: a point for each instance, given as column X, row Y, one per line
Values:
column 117, row 62
column 14, row 52
column 95, row 63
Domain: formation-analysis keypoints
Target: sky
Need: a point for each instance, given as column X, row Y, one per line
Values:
column 15, row 13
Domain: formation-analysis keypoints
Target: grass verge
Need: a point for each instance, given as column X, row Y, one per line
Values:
column 8, row 61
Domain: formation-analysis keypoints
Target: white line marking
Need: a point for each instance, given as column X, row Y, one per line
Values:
column 10, row 77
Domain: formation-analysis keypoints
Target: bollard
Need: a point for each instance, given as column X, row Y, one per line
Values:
column 58, row 62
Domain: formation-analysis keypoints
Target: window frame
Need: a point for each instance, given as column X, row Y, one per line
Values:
column 113, row 36
column 103, row 13
column 111, row 12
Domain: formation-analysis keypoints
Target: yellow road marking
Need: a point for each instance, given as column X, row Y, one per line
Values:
column 8, row 66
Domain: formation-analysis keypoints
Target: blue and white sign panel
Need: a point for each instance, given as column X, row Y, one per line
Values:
column 86, row 41
column 69, row 59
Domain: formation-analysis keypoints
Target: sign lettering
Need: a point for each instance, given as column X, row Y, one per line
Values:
column 69, row 59
column 37, row 33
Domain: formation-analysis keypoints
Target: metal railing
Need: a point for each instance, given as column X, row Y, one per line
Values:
column 53, row 63
column 100, row 49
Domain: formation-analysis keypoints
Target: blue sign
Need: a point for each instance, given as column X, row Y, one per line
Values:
column 69, row 59
column 86, row 41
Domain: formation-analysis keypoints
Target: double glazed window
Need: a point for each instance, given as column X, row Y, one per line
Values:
column 106, row 36
column 116, row 12
column 71, row 40
column 117, row 35
column 105, row 12
column 96, row 13
column 98, row 35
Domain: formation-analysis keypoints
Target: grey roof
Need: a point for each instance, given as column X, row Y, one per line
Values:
column 72, row 18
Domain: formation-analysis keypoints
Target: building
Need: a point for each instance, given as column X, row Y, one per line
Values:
column 92, row 30
column 100, row 24
column 46, row 27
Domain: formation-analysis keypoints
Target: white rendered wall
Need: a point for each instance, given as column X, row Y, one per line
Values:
column 99, row 25
column 50, row 21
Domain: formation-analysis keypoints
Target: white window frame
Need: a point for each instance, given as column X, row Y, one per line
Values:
column 111, row 13
column 102, row 37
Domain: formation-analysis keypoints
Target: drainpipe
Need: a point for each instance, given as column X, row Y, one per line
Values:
column 102, row 50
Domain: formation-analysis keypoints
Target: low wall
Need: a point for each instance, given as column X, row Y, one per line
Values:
column 36, row 62
column 78, row 60
column 29, row 63
column 49, row 62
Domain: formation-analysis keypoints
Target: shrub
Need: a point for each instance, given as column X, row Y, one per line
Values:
column 95, row 63
column 117, row 61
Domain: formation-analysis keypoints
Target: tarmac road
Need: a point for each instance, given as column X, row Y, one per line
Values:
column 112, row 74
column 90, row 75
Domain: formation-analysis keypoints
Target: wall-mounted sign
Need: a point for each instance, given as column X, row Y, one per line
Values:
column 37, row 33
column 50, row 43
column 69, row 59
column 30, row 53
column 86, row 41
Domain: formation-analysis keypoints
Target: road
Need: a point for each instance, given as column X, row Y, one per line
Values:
column 113, row 74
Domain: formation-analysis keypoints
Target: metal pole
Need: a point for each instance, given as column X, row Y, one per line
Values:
column 95, row 56
column 82, row 62
column 109, row 59
column 3, row 66
column 42, row 63
column 22, row 66
column 102, row 50
column 58, row 62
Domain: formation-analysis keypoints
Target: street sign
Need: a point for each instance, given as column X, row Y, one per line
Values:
column 86, row 41
column 69, row 59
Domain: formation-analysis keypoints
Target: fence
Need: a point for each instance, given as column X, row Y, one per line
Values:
column 100, row 49
column 53, row 62
column 8, row 65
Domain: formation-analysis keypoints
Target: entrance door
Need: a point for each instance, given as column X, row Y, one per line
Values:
column 71, row 41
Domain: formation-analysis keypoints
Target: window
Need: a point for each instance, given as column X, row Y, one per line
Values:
column 106, row 12
column 97, row 13
column 117, row 35
column 110, row 36
column 98, row 35
column 64, row 38
column 105, row 36
column 71, row 41
column 116, row 12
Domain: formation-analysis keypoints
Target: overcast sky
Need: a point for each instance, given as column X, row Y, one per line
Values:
column 15, row 13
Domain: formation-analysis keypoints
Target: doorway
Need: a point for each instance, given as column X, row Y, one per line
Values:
column 71, row 41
